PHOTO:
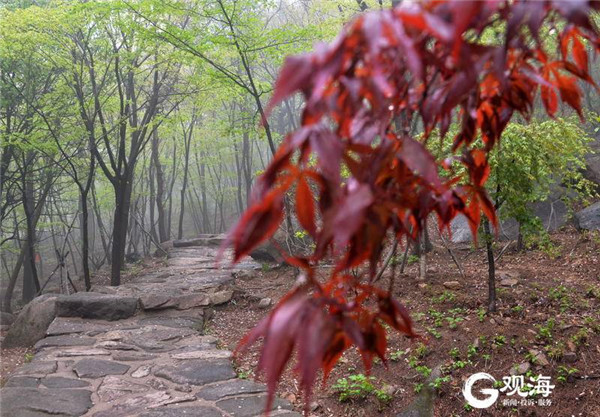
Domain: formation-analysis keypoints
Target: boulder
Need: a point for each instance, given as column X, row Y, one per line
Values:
column 592, row 163
column 552, row 212
column 588, row 218
column 32, row 322
column 267, row 252
column 6, row 318
column 91, row 305
column 452, row 285
column 423, row 404
column 201, row 240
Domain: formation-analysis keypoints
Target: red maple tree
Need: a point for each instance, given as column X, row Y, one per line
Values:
column 361, row 179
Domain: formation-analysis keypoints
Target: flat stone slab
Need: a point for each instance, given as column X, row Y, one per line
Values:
column 37, row 368
column 197, row 372
column 22, row 381
column 230, row 388
column 250, row 406
column 195, row 411
column 202, row 354
column 62, row 382
column 176, row 322
column 97, row 368
column 133, row 356
column 91, row 305
column 67, row 340
column 114, row 387
column 34, row 402
column 71, row 352
column 71, row 325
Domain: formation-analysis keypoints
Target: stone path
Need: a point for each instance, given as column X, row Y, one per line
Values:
column 138, row 349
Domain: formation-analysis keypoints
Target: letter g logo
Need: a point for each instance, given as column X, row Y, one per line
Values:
column 492, row 394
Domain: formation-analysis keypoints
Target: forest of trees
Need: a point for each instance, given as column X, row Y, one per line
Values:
column 127, row 124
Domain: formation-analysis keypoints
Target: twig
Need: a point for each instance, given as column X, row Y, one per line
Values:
column 502, row 251
column 445, row 243
column 387, row 261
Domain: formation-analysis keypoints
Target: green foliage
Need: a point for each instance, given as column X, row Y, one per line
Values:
column 397, row 355
column 445, row 296
column 565, row 374
column 545, row 330
column 354, row 387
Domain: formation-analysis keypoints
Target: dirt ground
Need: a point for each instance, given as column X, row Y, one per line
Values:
column 548, row 323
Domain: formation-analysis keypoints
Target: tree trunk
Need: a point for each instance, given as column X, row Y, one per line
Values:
column 121, row 219
column 160, row 190
column 491, row 267
column 188, row 140
column 85, row 242
column 31, row 284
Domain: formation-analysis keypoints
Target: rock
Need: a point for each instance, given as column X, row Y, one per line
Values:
column 155, row 301
column 22, row 381
column 267, row 252
column 132, row 356
column 61, row 382
column 133, row 257
column 588, row 218
column 203, row 354
column 65, row 341
column 390, row 389
column 197, row 372
column 67, row 353
column 97, row 368
column 195, row 411
column 37, row 368
column 453, row 285
column 521, row 369
column 202, row 240
column 250, row 406
column 188, row 301
column 6, row 318
column 508, row 282
column 539, row 358
column 508, row 278
column 32, row 322
column 71, row 325
column 570, row 357
column 132, row 406
column 114, row 387
column 571, row 346
column 34, row 402
column 91, row 305
column 422, row 285
column 229, row 388
column 422, row 406
column 246, row 274
column 141, row 372
column 221, row 297
column 265, row 303
column 314, row 406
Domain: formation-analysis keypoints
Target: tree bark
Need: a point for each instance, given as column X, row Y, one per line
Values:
column 160, row 190
column 122, row 189
column 491, row 267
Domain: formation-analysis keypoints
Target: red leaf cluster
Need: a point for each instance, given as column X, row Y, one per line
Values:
column 360, row 175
